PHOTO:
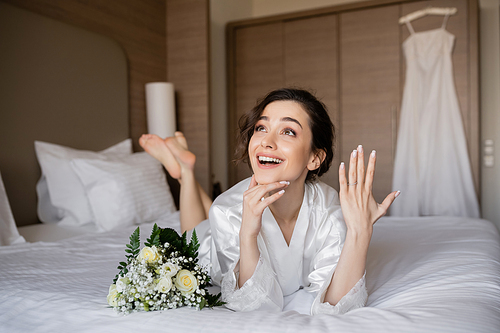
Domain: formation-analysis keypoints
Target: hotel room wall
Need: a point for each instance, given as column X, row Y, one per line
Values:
column 140, row 27
column 490, row 86
column 221, row 12
column 59, row 83
column 489, row 21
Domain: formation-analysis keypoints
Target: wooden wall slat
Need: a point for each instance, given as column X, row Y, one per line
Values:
column 188, row 68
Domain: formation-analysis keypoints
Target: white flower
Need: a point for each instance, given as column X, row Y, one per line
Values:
column 121, row 284
column 168, row 269
column 186, row 282
column 149, row 254
column 164, row 285
column 112, row 295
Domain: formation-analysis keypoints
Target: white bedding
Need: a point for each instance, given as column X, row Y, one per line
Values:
column 423, row 275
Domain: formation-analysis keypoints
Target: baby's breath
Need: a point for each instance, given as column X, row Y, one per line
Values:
column 148, row 281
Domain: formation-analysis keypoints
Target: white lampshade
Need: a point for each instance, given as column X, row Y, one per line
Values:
column 160, row 106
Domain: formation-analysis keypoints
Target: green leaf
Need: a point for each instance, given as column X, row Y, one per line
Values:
column 154, row 239
column 214, row 300
column 184, row 241
column 193, row 247
column 169, row 235
column 132, row 248
column 203, row 303
column 135, row 239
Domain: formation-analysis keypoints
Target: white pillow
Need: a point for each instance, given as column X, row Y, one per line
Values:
column 125, row 191
column 61, row 196
column 8, row 229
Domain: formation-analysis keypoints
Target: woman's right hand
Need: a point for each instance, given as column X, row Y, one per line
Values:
column 255, row 200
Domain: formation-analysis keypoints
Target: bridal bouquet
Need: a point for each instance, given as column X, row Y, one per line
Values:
column 164, row 274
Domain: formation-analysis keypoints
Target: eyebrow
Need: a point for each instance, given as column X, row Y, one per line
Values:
column 293, row 120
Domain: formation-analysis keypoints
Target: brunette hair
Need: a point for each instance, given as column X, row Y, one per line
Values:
column 323, row 131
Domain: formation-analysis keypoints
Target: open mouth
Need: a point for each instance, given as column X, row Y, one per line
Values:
column 264, row 160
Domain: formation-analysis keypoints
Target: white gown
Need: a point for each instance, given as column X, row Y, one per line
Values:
column 431, row 167
column 293, row 277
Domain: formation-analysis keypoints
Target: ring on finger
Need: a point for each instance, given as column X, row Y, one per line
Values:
column 352, row 184
column 262, row 199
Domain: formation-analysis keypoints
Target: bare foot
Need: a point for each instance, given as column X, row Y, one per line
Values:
column 181, row 139
column 178, row 148
column 156, row 147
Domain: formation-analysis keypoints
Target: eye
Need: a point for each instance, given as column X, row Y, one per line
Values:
column 289, row 131
column 259, row 128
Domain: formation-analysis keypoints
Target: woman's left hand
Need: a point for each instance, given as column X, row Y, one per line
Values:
column 359, row 207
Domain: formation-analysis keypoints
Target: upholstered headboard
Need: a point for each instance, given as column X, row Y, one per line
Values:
column 59, row 84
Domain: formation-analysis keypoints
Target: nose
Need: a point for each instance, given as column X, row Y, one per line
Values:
column 268, row 141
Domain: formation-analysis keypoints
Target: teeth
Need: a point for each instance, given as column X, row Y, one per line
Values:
column 269, row 159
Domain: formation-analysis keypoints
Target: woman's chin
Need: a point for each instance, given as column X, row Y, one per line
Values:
column 265, row 179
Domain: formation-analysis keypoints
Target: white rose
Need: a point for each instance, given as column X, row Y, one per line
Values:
column 164, row 285
column 186, row 282
column 112, row 295
column 168, row 269
column 122, row 283
column 150, row 254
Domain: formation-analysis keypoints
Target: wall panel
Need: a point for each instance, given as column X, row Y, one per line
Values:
column 188, row 69
column 259, row 69
column 369, row 71
column 311, row 62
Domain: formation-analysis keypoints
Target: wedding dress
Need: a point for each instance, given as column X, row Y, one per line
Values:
column 431, row 168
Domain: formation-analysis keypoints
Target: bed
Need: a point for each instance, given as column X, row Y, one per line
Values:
column 427, row 274
column 423, row 275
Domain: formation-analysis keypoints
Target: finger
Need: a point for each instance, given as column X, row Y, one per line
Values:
column 261, row 191
column 370, row 170
column 361, row 166
column 342, row 178
column 272, row 198
column 388, row 201
column 352, row 167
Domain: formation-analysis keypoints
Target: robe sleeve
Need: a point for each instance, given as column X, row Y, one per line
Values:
column 262, row 291
column 355, row 298
column 324, row 265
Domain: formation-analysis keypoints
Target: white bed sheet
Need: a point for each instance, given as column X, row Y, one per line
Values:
column 423, row 275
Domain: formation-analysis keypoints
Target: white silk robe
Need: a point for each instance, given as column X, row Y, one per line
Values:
column 293, row 277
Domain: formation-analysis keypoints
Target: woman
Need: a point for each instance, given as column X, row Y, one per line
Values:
column 279, row 239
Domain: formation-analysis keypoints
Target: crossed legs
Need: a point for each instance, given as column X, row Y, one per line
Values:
column 173, row 153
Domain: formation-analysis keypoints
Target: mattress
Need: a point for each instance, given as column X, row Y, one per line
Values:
column 423, row 275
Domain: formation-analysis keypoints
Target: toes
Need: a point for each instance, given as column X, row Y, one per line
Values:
column 181, row 139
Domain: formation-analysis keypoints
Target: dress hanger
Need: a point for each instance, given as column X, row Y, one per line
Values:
column 427, row 11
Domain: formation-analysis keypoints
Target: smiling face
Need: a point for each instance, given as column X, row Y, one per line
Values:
column 280, row 147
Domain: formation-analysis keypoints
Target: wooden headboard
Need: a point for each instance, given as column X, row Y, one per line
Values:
column 59, row 84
